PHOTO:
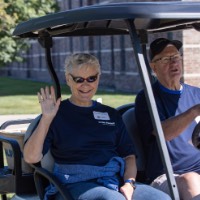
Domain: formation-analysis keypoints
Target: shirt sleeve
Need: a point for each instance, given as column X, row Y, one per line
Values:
column 143, row 117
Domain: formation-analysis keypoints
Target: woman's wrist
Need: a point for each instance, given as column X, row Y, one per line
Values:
column 131, row 182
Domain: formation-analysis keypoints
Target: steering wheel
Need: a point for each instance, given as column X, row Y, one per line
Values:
column 196, row 136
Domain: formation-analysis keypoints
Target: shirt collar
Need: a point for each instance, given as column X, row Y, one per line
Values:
column 164, row 89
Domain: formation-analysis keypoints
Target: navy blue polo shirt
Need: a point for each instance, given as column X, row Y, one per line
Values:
column 87, row 135
column 184, row 157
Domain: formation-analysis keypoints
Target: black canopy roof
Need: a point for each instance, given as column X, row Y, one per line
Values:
column 109, row 19
column 113, row 19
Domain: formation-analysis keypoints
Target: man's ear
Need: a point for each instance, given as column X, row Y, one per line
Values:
column 153, row 66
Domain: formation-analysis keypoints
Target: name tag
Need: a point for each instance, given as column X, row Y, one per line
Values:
column 101, row 115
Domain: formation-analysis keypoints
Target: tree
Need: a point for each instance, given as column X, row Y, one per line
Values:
column 11, row 13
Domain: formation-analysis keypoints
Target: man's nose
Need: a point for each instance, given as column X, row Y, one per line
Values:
column 173, row 60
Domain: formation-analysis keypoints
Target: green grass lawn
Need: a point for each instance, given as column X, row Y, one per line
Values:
column 20, row 96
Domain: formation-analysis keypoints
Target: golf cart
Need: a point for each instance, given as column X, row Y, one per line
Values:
column 138, row 20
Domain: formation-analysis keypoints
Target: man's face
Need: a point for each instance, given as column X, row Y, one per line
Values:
column 167, row 65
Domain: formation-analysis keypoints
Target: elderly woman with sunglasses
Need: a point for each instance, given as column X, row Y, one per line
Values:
column 94, row 156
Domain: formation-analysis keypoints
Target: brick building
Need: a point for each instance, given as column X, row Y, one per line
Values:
column 119, row 69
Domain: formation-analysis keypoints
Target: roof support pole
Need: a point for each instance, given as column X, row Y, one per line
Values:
column 153, row 109
column 46, row 42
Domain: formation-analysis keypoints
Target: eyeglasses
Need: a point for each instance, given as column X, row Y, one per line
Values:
column 168, row 59
column 89, row 79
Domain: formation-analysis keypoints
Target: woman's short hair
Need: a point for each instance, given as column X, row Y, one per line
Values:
column 78, row 60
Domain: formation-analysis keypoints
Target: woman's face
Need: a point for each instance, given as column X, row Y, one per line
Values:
column 83, row 83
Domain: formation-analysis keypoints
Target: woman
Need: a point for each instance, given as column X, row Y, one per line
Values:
column 93, row 153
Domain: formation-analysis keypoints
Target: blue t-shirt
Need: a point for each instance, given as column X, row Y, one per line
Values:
column 87, row 135
column 184, row 156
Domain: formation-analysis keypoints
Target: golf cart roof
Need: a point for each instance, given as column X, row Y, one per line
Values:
column 110, row 19
column 135, row 19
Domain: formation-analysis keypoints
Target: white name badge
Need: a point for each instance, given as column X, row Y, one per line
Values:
column 101, row 115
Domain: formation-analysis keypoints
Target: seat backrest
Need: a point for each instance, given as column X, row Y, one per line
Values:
column 132, row 128
column 47, row 161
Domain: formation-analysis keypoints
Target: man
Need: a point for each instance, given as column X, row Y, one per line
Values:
column 178, row 105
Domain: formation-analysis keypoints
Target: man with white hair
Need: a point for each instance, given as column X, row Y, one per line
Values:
column 178, row 105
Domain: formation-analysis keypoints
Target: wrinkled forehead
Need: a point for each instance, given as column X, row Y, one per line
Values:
column 170, row 49
column 85, row 68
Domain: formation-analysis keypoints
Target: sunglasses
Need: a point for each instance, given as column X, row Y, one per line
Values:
column 89, row 79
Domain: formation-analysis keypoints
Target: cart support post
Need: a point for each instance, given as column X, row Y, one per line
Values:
column 46, row 42
column 153, row 109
